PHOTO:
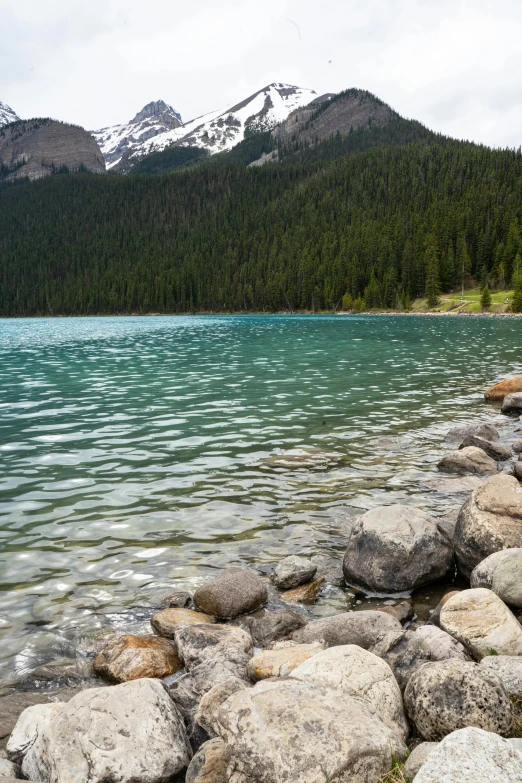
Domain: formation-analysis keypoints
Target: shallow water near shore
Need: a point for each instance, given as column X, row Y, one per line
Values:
column 136, row 454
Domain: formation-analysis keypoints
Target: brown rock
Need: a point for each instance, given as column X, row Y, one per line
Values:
column 498, row 391
column 134, row 657
column 209, row 765
column 305, row 594
column 235, row 591
column 273, row 626
column 402, row 611
column 167, row 621
column 281, row 661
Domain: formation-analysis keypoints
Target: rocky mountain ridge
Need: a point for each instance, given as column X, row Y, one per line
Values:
column 7, row 114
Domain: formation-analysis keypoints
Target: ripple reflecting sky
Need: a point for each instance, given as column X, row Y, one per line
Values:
column 132, row 450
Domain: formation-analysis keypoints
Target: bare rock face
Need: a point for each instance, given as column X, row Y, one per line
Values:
column 305, row 594
column 490, row 520
column 235, row 591
column 467, row 460
column 395, row 548
column 501, row 389
column 289, row 730
column 36, row 148
column 281, row 660
column 482, row 622
column 449, row 695
column 417, row 758
column 132, row 657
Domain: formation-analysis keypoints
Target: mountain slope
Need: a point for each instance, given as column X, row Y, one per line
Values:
column 117, row 141
column 7, row 114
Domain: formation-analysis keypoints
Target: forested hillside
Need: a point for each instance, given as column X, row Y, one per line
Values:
column 382, row 214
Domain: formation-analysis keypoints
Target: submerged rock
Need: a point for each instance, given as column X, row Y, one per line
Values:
column 167, row 621
column 281, row 660
column 293, row 571
column 132, row 657
column 490, row 520
column 273, row 626
column 496, row 451
column 467, row 460
column 395, row 548
column 235, row 591
column 449, row 695
column 308, row 458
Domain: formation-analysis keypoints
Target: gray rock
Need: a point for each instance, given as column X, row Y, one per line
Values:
column 517, row 471
column 209, row 765
column 126, row 733
column 12, row 704
column 289, row 730
column 517, row 446
column 443, row 647
column 471, row 755
column 512, row 404
column 444, row 696
column 235, row 591
column 508, row 668
column 482, row 574
column 417, row 758
column 405, row 653
column 447, row 524
column 507, row 579
column 365, row 629
column 330, row 568
column 490, row 520
column 210, row 704
column 273, row 626
column 496, row 451
column 9, row 770
column 486, row 431
column 178, row 599
column 32, row 723
column 293, row 571
column 467, row 460
column 395, row 548
column 199, row 643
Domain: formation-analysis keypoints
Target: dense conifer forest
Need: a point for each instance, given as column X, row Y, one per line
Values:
column 373, row 219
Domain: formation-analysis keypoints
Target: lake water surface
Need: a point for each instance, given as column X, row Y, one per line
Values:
column 133, row 450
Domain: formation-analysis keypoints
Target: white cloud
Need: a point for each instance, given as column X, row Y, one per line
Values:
column 453, row 64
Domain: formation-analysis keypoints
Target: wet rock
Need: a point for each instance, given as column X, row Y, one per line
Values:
column 490, row 520
column 365, row 629
column 211, row 701
column 482, row 574
column 473, row 756
column 467, row 460
column 452, row 486
column 360, row 673
column 330, row 568
column 177, row 600
column 274, row 626
column 405, row 653
column 443, row 647
column 306, row 594
column 132, row 731
column 209, row 765
column 293, row 571
column 235, row 591
column 402, row 611
column 499, row 390
column 289, row 730
column 508, row 668
column 507, row 579
column 444, row 696
column 395, row 548
column 496, row 451
column 482, row 623
column 199, row 643
column 486, row 431
column 167, row 621
column 12, row 704
column 512, row 404
column 417, row 758
column 132, row 657
column 280, row 661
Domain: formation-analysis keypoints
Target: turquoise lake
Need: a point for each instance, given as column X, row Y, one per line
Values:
column 137, row 453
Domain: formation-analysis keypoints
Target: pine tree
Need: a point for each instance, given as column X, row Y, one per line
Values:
column 485, row 299
column 516, row 302
column 432, row 288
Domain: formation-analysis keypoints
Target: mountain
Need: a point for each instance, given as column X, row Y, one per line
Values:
column 118, row 141
column 7, row 114
column 38, row 147
column 220, row 130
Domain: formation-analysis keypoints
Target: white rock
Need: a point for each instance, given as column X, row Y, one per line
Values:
column 32, row 721
column 9, row 770
column 508, row 668
column 472, row 756
column 482, row 574
column 442, row 645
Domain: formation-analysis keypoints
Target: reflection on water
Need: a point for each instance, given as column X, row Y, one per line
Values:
column 137, row 451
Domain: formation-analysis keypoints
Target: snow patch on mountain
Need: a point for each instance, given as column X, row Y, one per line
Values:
column 7, row 114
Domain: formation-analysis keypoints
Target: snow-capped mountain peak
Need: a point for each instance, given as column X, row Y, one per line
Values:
column 7, row 114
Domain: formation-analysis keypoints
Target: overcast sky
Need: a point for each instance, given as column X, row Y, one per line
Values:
column 455, row 65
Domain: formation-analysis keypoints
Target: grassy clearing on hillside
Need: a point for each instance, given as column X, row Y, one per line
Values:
column 469, row 303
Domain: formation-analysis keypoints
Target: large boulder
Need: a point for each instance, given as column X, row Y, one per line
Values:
column 125, row 733
column 467, row 460
column 499, row 390
column 508, row 668
column 293, row 571
column 199, row 643
column 507, row 579
column 480, row 621
column 490, row 520
column 442, row 646
column 289, row 730
column 133, row 657
column 360, row 673
column 365, row 629
column 512, row 404
column 481, row 429
column 167, row 621
column 471, row 755
column 496, row 451
column 395, row 548
column 482, row 574
column 273, row 626
column 449, row 695
column 281, row 660
column 235, row 591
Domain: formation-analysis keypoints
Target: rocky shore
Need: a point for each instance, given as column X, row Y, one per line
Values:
column 224, row 688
